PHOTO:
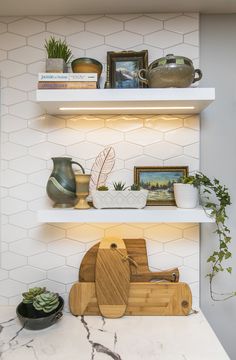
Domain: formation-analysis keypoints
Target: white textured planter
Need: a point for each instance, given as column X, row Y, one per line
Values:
column 186, row 196
column 112, row 199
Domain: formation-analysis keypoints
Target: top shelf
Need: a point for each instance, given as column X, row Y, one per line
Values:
column 126, row 101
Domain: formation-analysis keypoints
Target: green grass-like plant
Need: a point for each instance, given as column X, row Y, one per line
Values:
column 29, row 296
column 46, row 302
column 58, row 49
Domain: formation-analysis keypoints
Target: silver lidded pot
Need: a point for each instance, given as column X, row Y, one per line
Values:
column 170, row 71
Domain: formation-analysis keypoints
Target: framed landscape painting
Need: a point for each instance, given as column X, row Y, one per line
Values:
column 123, row 67
column 159, row 181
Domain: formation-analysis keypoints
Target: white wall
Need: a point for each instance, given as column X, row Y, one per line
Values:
column 218, row 149
column 34, row 254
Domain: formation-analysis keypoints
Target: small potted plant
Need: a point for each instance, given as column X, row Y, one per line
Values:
column 59, row 55
column 40, row 308
column 186, row 194
column 121, row 196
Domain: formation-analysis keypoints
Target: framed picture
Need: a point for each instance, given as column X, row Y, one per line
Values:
column 159, row 181
column 123, row 67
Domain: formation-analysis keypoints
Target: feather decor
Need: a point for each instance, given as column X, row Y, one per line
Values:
column 101, row 168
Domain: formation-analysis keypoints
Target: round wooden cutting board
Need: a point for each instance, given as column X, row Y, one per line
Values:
column 112, row 277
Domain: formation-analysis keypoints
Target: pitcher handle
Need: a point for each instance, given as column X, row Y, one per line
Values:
column 199, row 73
column 142, row 76
column 81, row 167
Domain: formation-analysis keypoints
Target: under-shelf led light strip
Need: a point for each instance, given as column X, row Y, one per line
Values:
column 127, row 108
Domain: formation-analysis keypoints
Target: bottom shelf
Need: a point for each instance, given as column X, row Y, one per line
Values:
column 150, row 214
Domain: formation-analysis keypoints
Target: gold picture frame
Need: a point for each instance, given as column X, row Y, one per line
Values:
column 159, row 181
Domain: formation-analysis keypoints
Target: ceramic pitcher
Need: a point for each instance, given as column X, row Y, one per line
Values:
column 61, row 186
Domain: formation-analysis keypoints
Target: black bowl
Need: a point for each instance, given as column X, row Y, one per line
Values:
column 42, row 322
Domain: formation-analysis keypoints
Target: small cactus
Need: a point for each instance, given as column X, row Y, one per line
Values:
column 46, row 302
column 102, row 188
column 119, row 186
column 135, row 187
column 29, row 296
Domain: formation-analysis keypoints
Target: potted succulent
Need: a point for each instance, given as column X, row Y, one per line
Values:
column 121, row 196
column 39, row 308
column 59, row 55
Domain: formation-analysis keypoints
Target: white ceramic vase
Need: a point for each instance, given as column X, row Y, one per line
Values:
column 112, row 199
column 186, row 196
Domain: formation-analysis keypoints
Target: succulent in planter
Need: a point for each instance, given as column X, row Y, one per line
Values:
column 135, row 187
column 119, row 186
column 102, row 188
column 59, row 55
column 46, row 302
column 28, row 297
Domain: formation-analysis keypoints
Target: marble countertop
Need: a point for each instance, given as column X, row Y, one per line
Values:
column 96, row 338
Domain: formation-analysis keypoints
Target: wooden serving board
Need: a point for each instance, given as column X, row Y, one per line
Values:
column 144, row 299
column 112, row 277
column 137, row 250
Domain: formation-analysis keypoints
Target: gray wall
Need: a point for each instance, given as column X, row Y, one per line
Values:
column 218, row 159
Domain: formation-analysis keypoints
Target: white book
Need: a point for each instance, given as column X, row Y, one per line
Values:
column 67, row 77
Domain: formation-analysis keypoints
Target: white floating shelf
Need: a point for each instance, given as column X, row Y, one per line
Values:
column 126, row 101
column 150, row 214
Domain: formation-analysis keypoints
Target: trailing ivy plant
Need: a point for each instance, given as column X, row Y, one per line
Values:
column 208, row 190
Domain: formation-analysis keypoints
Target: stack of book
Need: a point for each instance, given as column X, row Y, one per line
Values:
column 67, row 81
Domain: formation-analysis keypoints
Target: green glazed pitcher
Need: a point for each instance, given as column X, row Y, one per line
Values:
column 61, row 185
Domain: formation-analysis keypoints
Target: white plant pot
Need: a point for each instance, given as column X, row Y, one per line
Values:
column 186, row 196
column 127, row 199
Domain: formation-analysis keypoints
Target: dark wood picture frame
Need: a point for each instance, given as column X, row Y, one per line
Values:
column 123, row 66
column 166, row 190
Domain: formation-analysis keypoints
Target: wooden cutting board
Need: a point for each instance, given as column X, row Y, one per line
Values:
column 147, row 299
column 137, row 250
column 112, row 277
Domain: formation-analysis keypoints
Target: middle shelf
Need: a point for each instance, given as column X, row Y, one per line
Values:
column 150, row 214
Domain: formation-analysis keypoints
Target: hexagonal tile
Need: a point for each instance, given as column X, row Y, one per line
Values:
column 182, row 247
column 100, row 53
column 52, row 285
column 192, row 163
column 12, row 261
column 192, row 150
column 27, row 247
column 75, row 260
column 104, row 26
column 163, row 16
column 3, row 192
column 66, row 247
column 183, row 136
column 3, row 55
column 85, row 123
column 11, row 178
column 10, row 41
column 164, row 261
column 124, row 231
column 192, row 122
column 4, row 246
column 40, row 178
column 27, row 192
column 124, row 122
column 25, row 82
column 11, row 123
column 123, row 17
column 12, row 151
column 123, row 175
column 85, row 233
column 47, row 233
column 65, row 26
column 143, row 25
column 65, row 137
column 85, row 40
column 46, row 261
column 27, row 274
column 26, row 27
column 39, row 204
column 163, row 150
column 153, row 247
column 192, row 38
column 12, row 233
column 163, row 39
column 26, row 110
column 188, row 275
column 105, row 136
column 3, row 28
column 64, row 275
column 192, row 261
column 26, row 54
column 26, row 219
column 47, row 150
column 141, row 160
column 192, row 233
column 144, row 136
column 187, row 50
column 11, row 68
column 27, row 137
column 27, row 164
column 11, row 288
column 37, row 67
column 124, row 39
column 125, row 150
column 47, row 123
column 182, row 24
column 3, row 274
column 12, row 96
column 163, row 233
column 84, row 150
column 12, row 206
column 164, row 122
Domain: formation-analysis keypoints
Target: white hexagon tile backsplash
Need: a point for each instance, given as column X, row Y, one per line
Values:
column 50, row 254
